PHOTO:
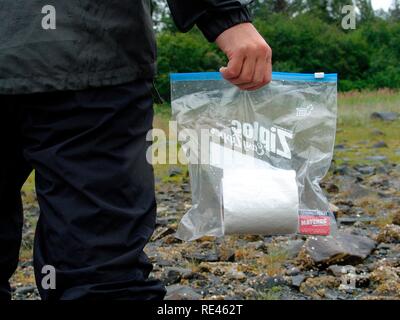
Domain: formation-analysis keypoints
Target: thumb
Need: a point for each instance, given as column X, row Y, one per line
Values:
column 233, row 69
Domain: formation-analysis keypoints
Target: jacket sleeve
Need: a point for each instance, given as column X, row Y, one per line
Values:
column 211, row 16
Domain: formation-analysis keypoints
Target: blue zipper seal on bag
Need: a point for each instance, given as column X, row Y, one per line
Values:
column 278, row 76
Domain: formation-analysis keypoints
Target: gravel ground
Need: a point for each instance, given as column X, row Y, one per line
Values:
column 366, row 200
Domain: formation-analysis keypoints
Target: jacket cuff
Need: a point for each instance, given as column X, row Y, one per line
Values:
column 213, row 23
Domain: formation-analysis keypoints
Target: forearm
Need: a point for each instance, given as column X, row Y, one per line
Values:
column 211, row 16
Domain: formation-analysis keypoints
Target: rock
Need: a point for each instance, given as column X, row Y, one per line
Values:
column 338, row 271
column 340, row 147
column 332, row 188
column 365, row 170
column 164, row 262
column 293, row 248
column 343, row 209
column 379, row 145
column 345, row 170
column 343, row 248
column 171, row 239
column 386, row 281
column 24, row 290
column 162, row 232
column 226, row 254
column 261, row 246
column 293, row 271
column 384, row 246
column 377, row 132
column 351, row 220
column 234, row 274
column 165, row 221
column 174, row 275
column 357, row 191
column 389, row 234
column 178, row 292
column 202, row 256
column 186, row 188
column 161, row 209
column 317, row 287
column 396, row 218
column 174, row 171
column 385, row 116
column 376, row 158
column 297, row 280
column 250, row 293
column 381, row 170
column 266, row 282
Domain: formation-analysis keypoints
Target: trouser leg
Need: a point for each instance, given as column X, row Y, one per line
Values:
column 14, row 170
column 95, row 190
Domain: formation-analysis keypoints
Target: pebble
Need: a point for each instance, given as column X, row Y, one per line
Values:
column 178, row 292
column 341, row 248
column 376, row 158
column 379, row 145
column 298, row 280
column 385, row 116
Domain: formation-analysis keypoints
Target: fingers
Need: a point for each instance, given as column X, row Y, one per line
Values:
column 263, row 75
column 250, row 70
column 247, row 75
column 259, row 77
column 234, row 68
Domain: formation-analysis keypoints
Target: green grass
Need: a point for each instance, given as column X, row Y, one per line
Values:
column 356, row 129
column 29, row 185
column 355, row 108
column 270, row 294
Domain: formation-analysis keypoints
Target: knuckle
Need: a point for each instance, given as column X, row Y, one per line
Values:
column 262, row 48
column 267, row 52
column 234, row 73
column 231, row 72
column 253, row 47
column 249, row 49
column 242, row 49
column 247, row 78
column 228, row 73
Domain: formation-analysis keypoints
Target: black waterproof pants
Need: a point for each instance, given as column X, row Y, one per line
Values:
column 94, row 186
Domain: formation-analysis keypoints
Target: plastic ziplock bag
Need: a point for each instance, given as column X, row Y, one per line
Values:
column 256, row 158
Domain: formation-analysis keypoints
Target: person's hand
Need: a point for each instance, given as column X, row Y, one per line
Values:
column 250, row 57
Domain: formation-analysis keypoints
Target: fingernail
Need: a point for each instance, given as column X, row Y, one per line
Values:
column 222, row 69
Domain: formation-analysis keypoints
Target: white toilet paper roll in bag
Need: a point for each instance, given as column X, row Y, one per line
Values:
column 261, row 200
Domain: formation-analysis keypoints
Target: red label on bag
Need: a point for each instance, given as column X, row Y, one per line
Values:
column 315, row 225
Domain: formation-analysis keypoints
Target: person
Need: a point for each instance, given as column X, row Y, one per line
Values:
column 76, row 83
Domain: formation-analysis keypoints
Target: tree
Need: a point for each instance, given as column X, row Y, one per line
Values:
column 162, row 19
column 266, row 8
column 366, row 10
column 395, row 11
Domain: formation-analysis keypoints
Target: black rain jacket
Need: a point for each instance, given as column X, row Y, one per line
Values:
column 76, row 44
